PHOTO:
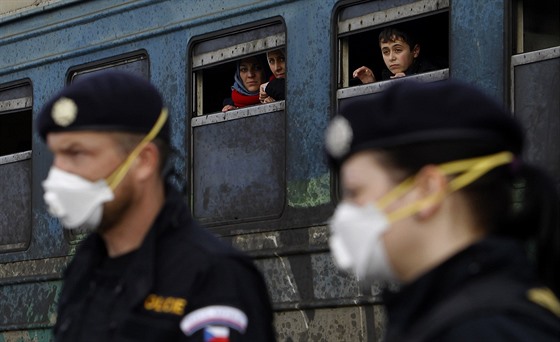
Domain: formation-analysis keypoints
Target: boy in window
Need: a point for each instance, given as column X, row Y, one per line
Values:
column 401, row 56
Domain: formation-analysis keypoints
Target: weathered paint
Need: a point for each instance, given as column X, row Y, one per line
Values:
column 310, row 193
column 330, row 324
column 15, row 199
column 29, row 305
column 12, row 7
column 32, row 335
column 478, row 46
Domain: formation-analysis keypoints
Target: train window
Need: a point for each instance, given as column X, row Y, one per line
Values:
column 535, row 79
column 16, row 102
column 214, row 63
column 136, row 62
column 238, row 157
column 423, row 23
column 536, row 25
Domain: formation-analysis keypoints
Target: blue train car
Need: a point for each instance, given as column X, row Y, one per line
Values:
column 255, row 176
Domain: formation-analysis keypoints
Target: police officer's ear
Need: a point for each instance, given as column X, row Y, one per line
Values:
column 147, row 163
column 431, row 186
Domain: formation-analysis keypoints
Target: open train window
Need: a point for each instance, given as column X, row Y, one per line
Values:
column 16, row 102
column 425, row 23
column 215, row 61
column 536, row 25
column 238, row 157
column 136, row 62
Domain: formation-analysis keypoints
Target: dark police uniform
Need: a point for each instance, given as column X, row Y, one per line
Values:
column 487, row 292
column 182, row 283
column 145, row 295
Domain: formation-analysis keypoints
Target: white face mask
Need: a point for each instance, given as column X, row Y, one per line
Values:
column 356, row 232
column 77, row 202
column 356, row 243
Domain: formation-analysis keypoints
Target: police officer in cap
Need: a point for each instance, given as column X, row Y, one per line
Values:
column 427, row 174
column 147, row 272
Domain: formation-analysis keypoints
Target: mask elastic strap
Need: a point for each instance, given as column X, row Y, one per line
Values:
column 473, row 169
column 449, row 168
column 479, row 167
column 116, row 177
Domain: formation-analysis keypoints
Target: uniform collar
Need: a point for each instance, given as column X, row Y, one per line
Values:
column 138, row 279
column 492, row 255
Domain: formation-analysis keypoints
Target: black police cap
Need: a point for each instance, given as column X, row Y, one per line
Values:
column 114, row 101
column 410, row 112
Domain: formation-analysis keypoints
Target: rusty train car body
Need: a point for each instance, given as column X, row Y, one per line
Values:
column 256, row 176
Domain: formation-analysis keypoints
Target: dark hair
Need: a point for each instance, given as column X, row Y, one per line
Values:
column 516, row 200
column 390, row 34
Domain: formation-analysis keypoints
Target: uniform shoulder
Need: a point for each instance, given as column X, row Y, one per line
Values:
column 501, row 327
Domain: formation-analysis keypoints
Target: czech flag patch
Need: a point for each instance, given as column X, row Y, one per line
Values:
column 216, row 334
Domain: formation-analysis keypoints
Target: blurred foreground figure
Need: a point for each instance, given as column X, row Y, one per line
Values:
column 147, row 272
column 427, row 174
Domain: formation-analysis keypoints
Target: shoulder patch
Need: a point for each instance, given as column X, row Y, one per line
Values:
column 214, row 315
column 216, row 334
column 544, row 297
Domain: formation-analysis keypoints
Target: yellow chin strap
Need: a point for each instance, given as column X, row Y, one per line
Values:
column 117, row 176
column 469, row 170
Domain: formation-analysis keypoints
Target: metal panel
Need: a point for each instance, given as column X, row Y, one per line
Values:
column 478, row 44
column 29, row 305
column 239, row 169
column 15, row 200
column 238, row 50
column 14, row 104
column 391, row 14
column 376, row 87
column 238, row 113
column 537, row 105
column 357, row 323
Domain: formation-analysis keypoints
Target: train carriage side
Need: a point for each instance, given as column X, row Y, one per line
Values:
column 255, row 176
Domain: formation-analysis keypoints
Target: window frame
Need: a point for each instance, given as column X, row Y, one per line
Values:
column 197, row 118
column 518, row 29
column 108, row 63
column 254, row 44
column 13, row 106
column 376, row 20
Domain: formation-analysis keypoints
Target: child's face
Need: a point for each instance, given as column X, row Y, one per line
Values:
column 397, row 55
column 277, row 63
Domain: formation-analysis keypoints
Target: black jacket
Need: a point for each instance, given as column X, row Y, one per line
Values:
column 480, row 294
column 179, row 268
column 276, row 89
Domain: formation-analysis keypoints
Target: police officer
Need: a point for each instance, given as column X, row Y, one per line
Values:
column 147, row 272
column 426, row 174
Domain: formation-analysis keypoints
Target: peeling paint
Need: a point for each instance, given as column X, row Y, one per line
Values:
column 37, row 335
column 309, row 193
